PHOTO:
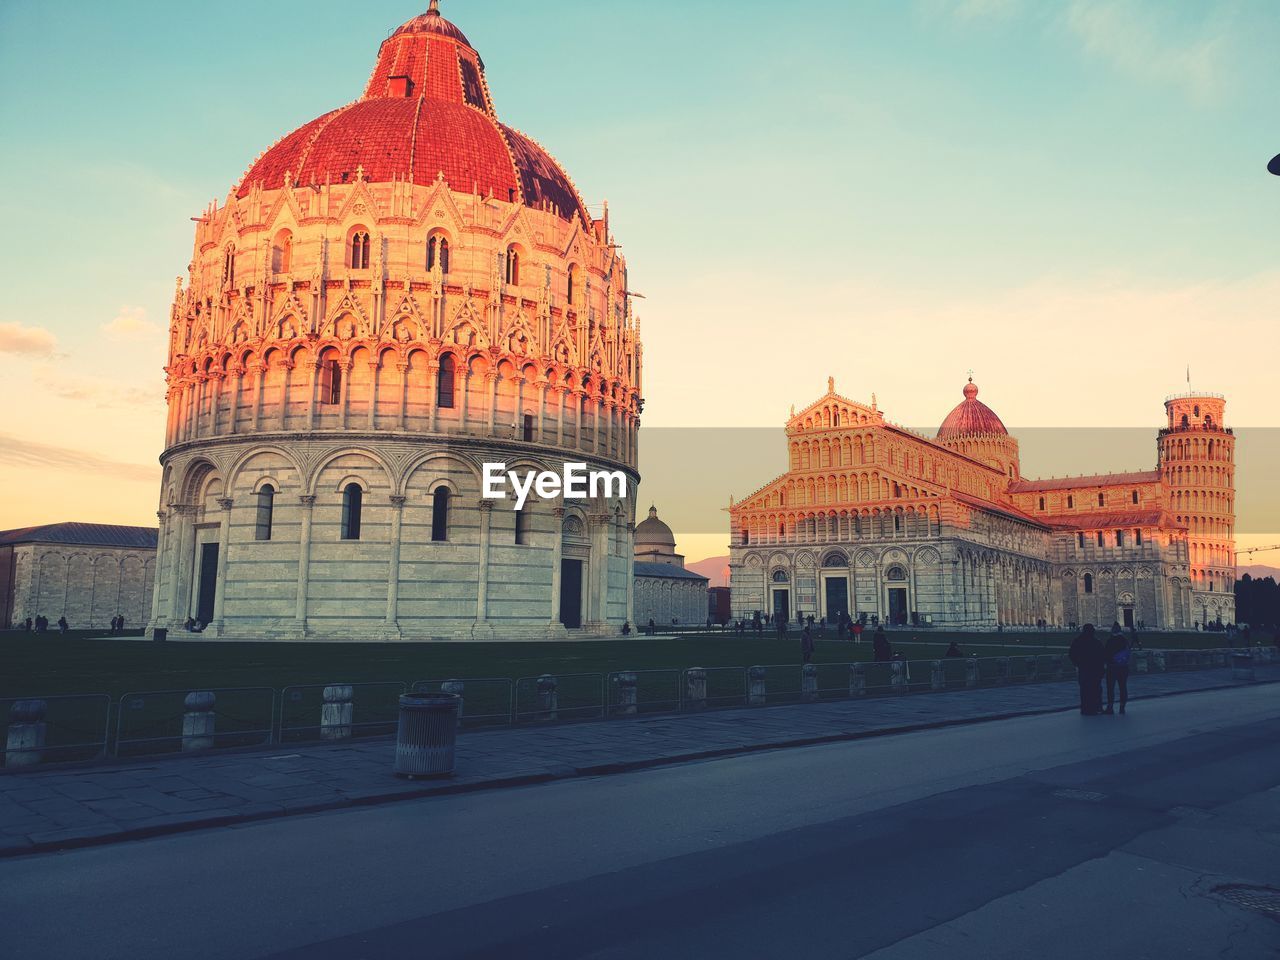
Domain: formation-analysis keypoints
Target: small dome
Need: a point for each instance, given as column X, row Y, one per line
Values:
column 432, row 22
column 971, row 417
column 654, row 533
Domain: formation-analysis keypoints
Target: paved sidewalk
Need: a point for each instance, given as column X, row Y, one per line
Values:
column 56, row 809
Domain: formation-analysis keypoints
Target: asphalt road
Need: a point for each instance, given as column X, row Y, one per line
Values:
column 1050, row 837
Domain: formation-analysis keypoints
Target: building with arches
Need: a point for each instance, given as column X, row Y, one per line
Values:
column 665, row 592
column 878, row 522
column 393, row 295
column 89, row 573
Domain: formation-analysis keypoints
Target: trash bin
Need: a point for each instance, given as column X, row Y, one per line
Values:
column 427, row 731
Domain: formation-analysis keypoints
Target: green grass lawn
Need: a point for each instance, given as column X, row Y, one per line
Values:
column 51, row 664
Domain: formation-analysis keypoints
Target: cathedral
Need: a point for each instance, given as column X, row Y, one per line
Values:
column 393, row 295
column 876, row 522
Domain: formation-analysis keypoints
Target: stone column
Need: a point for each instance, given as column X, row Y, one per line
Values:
column 374, row 383
column 261, row 374
column 234, row 403
column 561, row 393
column 182, row 556
column 220, row 590
column 491, row 390
column 598, row 602
column 517, row 417
column 403, row 417
column 542, row 410
column 482, row 626
column 391, row 629
column 464, row 410
column 304, row 563
column 557, row 555
column 314, row 368
column 345, row 367
column 198, row 390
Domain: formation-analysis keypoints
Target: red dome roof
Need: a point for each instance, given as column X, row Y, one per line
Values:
column 971, row 417
column 426, row 111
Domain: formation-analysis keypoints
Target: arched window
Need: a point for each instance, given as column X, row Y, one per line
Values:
column 229, row 266
column 1080, row 540
column 352, row 506
column 266, row 508
column 440, row 515
column 896, row 574
column 1186, row 421
column 522, row 527
column 1102, row 499
column 573, row 281
column 438, row 252
column 282, row 253
column 1042, row 503
column 1088, row 583
column 528, row 428
column 780, row 576
column 445, row 382
column 360, row 250
column 513, row 267
column 1135, row 496
column 746, row 537
column 330, row 382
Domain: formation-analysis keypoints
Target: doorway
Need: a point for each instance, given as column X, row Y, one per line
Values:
column 898, row 605
column 571, row 593
column 1128, row 617
column 781, row 606
column 837, row 599
column 208, row 583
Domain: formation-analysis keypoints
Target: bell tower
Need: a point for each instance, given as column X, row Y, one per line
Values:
column 1197, row 462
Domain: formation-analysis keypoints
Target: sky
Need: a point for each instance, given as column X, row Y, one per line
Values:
column 1068, row 197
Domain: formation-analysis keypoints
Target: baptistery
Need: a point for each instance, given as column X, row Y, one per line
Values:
column 394, row 296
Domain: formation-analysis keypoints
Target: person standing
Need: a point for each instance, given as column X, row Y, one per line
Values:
column 1117, row 651
column 880, row 648
column 1088, row 657
column 806, row 644
column 63, row 626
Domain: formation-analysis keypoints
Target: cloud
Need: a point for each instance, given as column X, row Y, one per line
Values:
column 131, row 323
column 23, row 453
column 1140, row 43
column 96, row 390
column 27, row 341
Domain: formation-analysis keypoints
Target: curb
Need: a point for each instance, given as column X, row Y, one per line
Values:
column 183, row 824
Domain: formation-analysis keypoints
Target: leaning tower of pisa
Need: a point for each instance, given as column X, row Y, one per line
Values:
column 1197, row 461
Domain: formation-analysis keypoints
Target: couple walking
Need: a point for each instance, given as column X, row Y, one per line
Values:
column 1095, row 661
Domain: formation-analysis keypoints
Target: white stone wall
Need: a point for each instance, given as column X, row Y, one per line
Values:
column 87, row 585
column 665, row 599
column 394, row 582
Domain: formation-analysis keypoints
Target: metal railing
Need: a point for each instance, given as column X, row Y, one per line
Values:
column 338, row 711
column 62, row 729
column 574, row 696
column 654, row 691
column 161, row 721
column 486, row 702
column 726, row 686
